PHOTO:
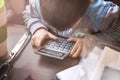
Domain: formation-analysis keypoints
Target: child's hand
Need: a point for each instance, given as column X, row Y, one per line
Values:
column 40, row 35
column 77, row 48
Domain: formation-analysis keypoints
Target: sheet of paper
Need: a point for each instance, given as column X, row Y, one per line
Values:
column 91, row 68
column 77, row 72
column 72, row 73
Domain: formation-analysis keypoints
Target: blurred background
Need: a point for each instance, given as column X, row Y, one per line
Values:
column 14, row 9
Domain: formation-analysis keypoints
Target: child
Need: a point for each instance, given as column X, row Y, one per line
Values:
column 60, row 16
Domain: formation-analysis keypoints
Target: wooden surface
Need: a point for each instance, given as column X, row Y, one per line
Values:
column 31, row 66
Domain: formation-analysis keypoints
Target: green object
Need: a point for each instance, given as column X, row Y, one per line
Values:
column 3, row 33
column 2, row 5
column 3, row 28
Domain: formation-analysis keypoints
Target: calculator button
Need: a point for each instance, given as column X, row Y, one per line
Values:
column 57, row 48
column 66, row 50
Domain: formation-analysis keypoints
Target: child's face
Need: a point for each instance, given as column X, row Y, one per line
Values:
column 63, row 14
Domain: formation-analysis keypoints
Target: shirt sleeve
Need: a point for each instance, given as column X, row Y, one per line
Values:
column 105, row 18
column 111, row 20
column 96, row 12
column 32, row 16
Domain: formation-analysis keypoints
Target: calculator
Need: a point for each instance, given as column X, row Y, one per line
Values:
column 57, row 49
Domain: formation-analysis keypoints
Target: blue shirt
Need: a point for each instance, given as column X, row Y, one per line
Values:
column 97, row 11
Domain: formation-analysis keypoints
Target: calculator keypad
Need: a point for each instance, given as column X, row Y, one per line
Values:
column 62, row 45
column 57, row 49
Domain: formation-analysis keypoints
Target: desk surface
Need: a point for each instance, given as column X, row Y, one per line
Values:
column 31, row 66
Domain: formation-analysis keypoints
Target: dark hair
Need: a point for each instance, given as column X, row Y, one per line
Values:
column 63, row 14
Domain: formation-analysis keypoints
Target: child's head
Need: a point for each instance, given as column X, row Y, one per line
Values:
column 63, row 14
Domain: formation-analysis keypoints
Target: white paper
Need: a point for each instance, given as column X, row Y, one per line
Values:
column 78, row 72
column 72, row 73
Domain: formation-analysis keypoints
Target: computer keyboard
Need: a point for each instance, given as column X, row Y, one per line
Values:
column 57, row 49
